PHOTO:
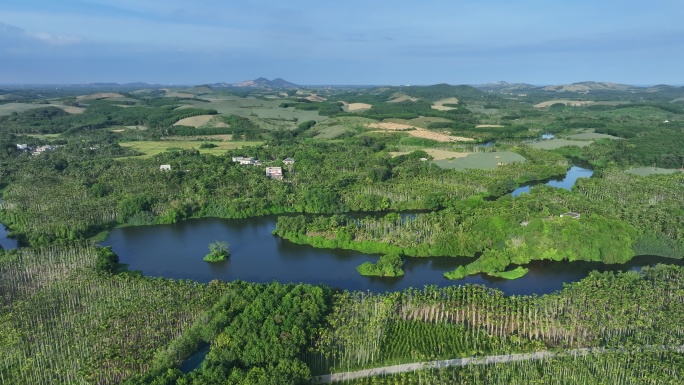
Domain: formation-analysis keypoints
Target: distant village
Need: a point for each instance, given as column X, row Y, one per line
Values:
column 37, row 150
column 271, row 172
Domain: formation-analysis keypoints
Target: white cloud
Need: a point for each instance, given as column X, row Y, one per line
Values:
column 53, row 39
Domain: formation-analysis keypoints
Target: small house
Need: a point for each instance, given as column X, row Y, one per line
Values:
column 42, row 149
column 246, row 161
column 237, row 158
column 288, row 161
column 165, row 167
column 23, row 147
column 571, row 215
column 274, row 172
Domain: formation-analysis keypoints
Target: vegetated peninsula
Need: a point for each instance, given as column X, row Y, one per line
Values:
column 444, row 171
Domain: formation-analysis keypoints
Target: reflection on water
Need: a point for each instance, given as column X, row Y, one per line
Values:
column 571, row 176
column 176, row 251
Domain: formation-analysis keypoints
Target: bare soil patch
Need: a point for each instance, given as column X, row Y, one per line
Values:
column 195, row 121
column 315, row 98
column 419, row 132
column 391, row 126
column 351, row 107
column 440, row 104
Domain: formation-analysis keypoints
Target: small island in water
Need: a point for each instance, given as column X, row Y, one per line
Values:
column 218, row 251
column 390, row 265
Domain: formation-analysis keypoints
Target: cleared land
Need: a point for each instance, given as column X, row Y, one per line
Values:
column 351, row 107
column 100, row 95
column 481, row 160
column 591, row 136
column 440, row 104
column 402, row 98
column 421, row 122
column 552, row 144
column 154, row 148
column 9, row 108
column 436, row 154
column 574, row 103
column 418, row 132
column 316, row 98
column 195, row 121
column 257, row 108
column 646, row 171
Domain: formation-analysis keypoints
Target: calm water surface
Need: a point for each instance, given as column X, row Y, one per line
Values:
column 176, row 251
column 571, row 176
column 5, row 242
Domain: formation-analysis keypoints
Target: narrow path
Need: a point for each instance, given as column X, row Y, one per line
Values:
column 385, row 370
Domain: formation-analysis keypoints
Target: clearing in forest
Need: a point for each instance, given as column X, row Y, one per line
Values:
column 100, row 95
column 481, row 160
column 402, row 98
column 419, row 132
column 590, row 135
column 436, row 154
column 575, row 103
column 440, row 104
column 9, row 108
column 195, row 121
column 646, row 171
column 555, row 143
column 150, row 148
column 352, row 107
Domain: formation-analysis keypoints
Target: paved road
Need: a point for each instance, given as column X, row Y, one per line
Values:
column 385, row 370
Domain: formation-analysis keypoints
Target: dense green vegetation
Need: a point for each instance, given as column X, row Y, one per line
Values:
column 387, row 266
column 70, row 313
column 218, row 251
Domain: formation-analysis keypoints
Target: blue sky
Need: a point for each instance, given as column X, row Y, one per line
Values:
column 342, row 42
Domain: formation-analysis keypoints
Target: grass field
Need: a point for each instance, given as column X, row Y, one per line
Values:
column 257, row 108
column 591, row 136
column 435, row 153
column 440, row 104
column 331, row 132
column 646, row 171
column 552, row 144
column 352, row 107
column 9, row 108
column 196, row 121
column 481, row 160
column 154, row 148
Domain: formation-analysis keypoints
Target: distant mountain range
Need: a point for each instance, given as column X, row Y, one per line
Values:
column 581, row 87
column 262, row 83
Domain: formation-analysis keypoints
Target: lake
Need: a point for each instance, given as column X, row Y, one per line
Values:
column 176, row 251
column 567, row 182
column 5, row 242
